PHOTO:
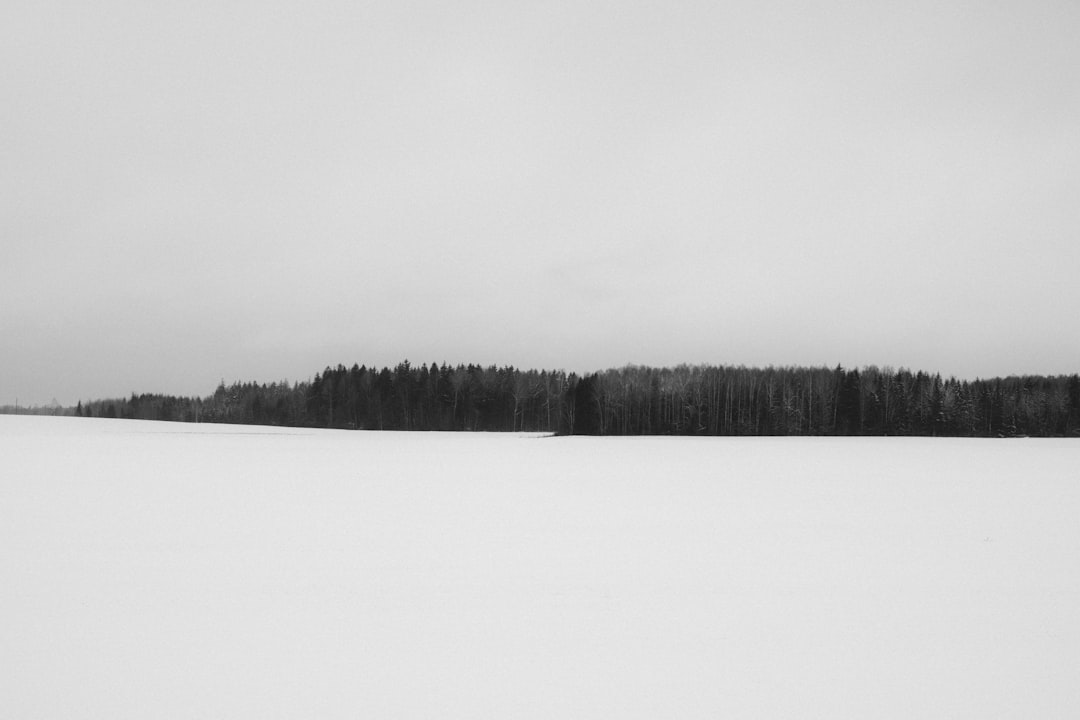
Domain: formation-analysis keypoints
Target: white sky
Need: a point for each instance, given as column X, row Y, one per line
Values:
column 211, row 190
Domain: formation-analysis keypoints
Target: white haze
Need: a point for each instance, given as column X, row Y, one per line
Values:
column 180, row 571
column 233, row 190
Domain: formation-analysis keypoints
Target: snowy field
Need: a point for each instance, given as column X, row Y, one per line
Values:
column 154, row 570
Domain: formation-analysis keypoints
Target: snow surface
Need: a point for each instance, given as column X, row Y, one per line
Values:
column 154, row 570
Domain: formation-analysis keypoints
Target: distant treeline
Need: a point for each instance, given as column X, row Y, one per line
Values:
column 634, row 400
column 53, row 408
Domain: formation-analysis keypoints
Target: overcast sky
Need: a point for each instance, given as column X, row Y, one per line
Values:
column 201, row 191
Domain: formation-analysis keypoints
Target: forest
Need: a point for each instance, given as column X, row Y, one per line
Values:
column 634, row 400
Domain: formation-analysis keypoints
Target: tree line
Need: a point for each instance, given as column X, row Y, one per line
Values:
column 52, row 408
column 634, row 400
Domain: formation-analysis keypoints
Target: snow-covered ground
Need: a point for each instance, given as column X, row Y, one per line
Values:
column 152, row 570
